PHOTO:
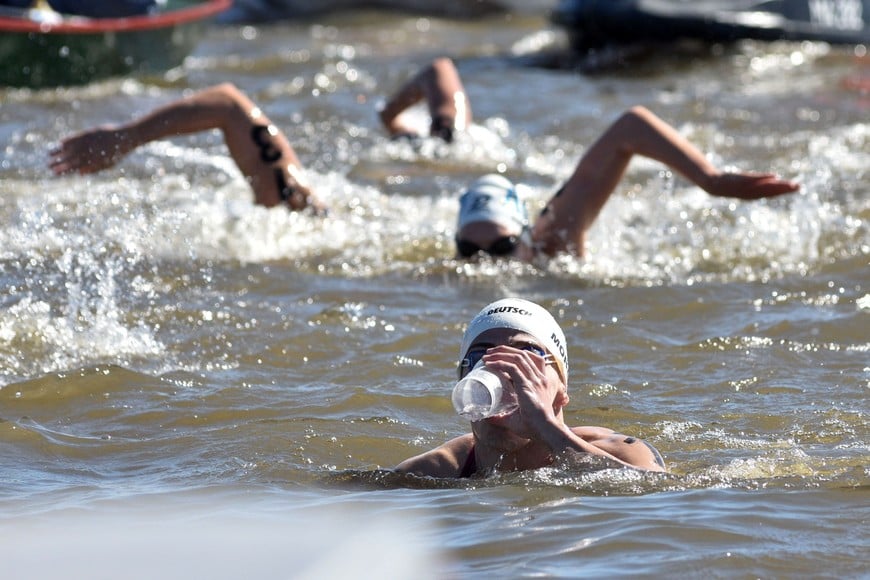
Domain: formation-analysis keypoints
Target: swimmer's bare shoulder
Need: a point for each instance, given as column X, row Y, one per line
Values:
column 446, row 460
column 631, row 450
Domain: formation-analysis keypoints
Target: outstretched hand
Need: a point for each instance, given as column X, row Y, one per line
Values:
column 749, row 185
column 90, row 151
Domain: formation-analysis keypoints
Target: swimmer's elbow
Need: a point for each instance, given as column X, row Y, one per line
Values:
column 637, row 112
column 411, row 467
column 227, row 87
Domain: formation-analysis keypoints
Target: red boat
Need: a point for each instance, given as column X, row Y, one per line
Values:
column 41, row 48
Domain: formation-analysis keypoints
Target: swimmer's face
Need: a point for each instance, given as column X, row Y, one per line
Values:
column 511, row 430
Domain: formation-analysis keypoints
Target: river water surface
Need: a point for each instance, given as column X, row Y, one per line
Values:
column 194, row 386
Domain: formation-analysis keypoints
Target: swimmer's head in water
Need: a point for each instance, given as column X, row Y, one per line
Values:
column 493, row 198
column 523, row 316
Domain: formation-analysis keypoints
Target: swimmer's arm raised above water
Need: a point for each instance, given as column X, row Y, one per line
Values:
column 637, row 132
column 259, row 149
column 440, row 85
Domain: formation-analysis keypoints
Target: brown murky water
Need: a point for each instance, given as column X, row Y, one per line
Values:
column 229, row 384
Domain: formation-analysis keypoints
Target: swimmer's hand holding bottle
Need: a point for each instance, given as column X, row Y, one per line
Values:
column 480, row 395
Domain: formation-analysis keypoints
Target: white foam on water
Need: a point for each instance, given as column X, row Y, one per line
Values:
column 70, row 267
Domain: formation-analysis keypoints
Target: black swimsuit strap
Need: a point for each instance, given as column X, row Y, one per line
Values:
column 658, row 456
column 470, row 467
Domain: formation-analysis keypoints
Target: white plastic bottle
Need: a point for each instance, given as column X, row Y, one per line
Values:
column 479, row 395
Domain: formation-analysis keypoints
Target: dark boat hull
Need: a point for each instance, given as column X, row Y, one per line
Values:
column 76, row 50
column 596, row 23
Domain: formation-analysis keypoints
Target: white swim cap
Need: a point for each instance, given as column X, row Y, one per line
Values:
column 493, row 198
column 524, row 316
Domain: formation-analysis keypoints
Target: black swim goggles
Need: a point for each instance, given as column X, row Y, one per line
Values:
column 500, row 247
column 473, row 357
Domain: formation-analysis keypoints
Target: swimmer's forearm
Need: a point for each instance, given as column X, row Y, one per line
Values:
column 649, row 136
column 205, row 110
column 445, row 94
column 636, row 132
column 626, row 451
column 657, row 140
column 559, row 438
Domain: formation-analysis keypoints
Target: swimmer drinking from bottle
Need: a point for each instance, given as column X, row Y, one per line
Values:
column 522, row 343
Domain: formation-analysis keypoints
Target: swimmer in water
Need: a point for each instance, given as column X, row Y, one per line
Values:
column 492, row 218
column 261, row 151
column 523, row 344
